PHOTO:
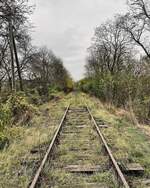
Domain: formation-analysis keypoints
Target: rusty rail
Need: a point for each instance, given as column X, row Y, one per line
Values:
column 48, row 152
column 120, row 175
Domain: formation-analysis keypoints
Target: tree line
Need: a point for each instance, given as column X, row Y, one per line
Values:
column 23, row 65
column 118, row 64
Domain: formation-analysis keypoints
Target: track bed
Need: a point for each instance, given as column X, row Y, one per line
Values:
column 79, row 159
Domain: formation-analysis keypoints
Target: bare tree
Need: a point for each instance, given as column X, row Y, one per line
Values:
column 137, row 23
column 111, row 48
column 13, row 15
column 45, row 69
column 140, row 8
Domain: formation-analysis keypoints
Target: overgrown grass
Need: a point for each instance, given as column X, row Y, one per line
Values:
column 128, row 142
column 78, row 146
column 17, row 161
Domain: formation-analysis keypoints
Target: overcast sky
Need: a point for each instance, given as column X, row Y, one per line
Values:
column 67, row 26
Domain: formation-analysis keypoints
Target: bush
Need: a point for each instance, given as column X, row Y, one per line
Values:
column 15, row 110
column 118, row 88
column 142, row 109
column 34, row 97
column 20, row 109
column 4, row 142
column 5, row 116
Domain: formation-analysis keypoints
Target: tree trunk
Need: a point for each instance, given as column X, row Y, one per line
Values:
column 17, row 63
column 9, row 82
column 0, row 86
column 12, row 56
column 133, row 117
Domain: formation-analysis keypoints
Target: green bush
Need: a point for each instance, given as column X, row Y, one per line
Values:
column 53, row 92
column 33, row 97
column 5, row 116
column 118, row 88
column 4, row 142
column 15, row 109
column 142, row 108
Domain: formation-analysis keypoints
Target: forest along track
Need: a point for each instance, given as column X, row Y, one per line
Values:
column 78, row 156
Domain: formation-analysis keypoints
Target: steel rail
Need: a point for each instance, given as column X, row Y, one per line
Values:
column 48, row 152
column 120, row 175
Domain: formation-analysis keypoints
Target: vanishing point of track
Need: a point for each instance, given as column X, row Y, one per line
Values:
column 78, row 135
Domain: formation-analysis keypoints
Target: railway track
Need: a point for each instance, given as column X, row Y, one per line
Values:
column 78, row 156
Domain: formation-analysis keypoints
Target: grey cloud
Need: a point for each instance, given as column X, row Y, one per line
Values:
column 66, row 26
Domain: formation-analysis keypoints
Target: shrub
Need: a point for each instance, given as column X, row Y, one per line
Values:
column 15, row 110
column 5, row 116
column 4, row 142
column 117, row 89
column 34, row 97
